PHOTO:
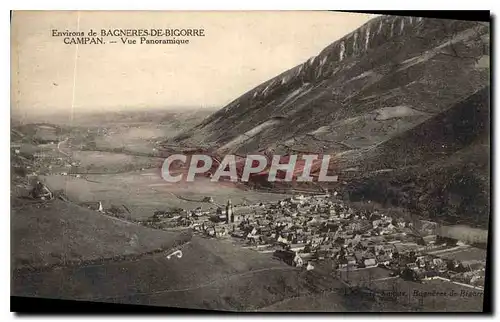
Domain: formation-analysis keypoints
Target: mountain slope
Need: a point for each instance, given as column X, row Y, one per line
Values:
column 439, row 169
column 402, row 103
column 460, row 126
column 405, row 69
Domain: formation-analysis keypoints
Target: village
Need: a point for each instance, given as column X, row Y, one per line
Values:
column 305, row 231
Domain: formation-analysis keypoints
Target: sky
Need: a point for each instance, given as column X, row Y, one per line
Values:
column 239, row 51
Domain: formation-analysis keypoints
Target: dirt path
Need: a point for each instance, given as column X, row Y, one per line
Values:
column 195, row 200
column 119, row 219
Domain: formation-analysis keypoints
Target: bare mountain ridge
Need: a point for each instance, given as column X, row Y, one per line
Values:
column 408, row 68
column 400, row 94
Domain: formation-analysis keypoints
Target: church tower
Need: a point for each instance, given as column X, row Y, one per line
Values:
column 229, row 211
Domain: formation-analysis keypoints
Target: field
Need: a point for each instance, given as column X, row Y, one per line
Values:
column 465, row 233
column 120, row 165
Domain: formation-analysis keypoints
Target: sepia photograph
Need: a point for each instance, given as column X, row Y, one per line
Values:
column 250, row 161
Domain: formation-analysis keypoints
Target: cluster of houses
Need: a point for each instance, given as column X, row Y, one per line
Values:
column 302, row 230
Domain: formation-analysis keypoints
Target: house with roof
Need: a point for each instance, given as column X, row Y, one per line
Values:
column 376, row 223
column 400, row 223
column 387, row 229
column 323, row 252
column 477, row 280
column 335, row 248
column 282, row 240
column 220, row 231
column 420, row 261
column 355, row 226
column 297, row 260
column 265, row 230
